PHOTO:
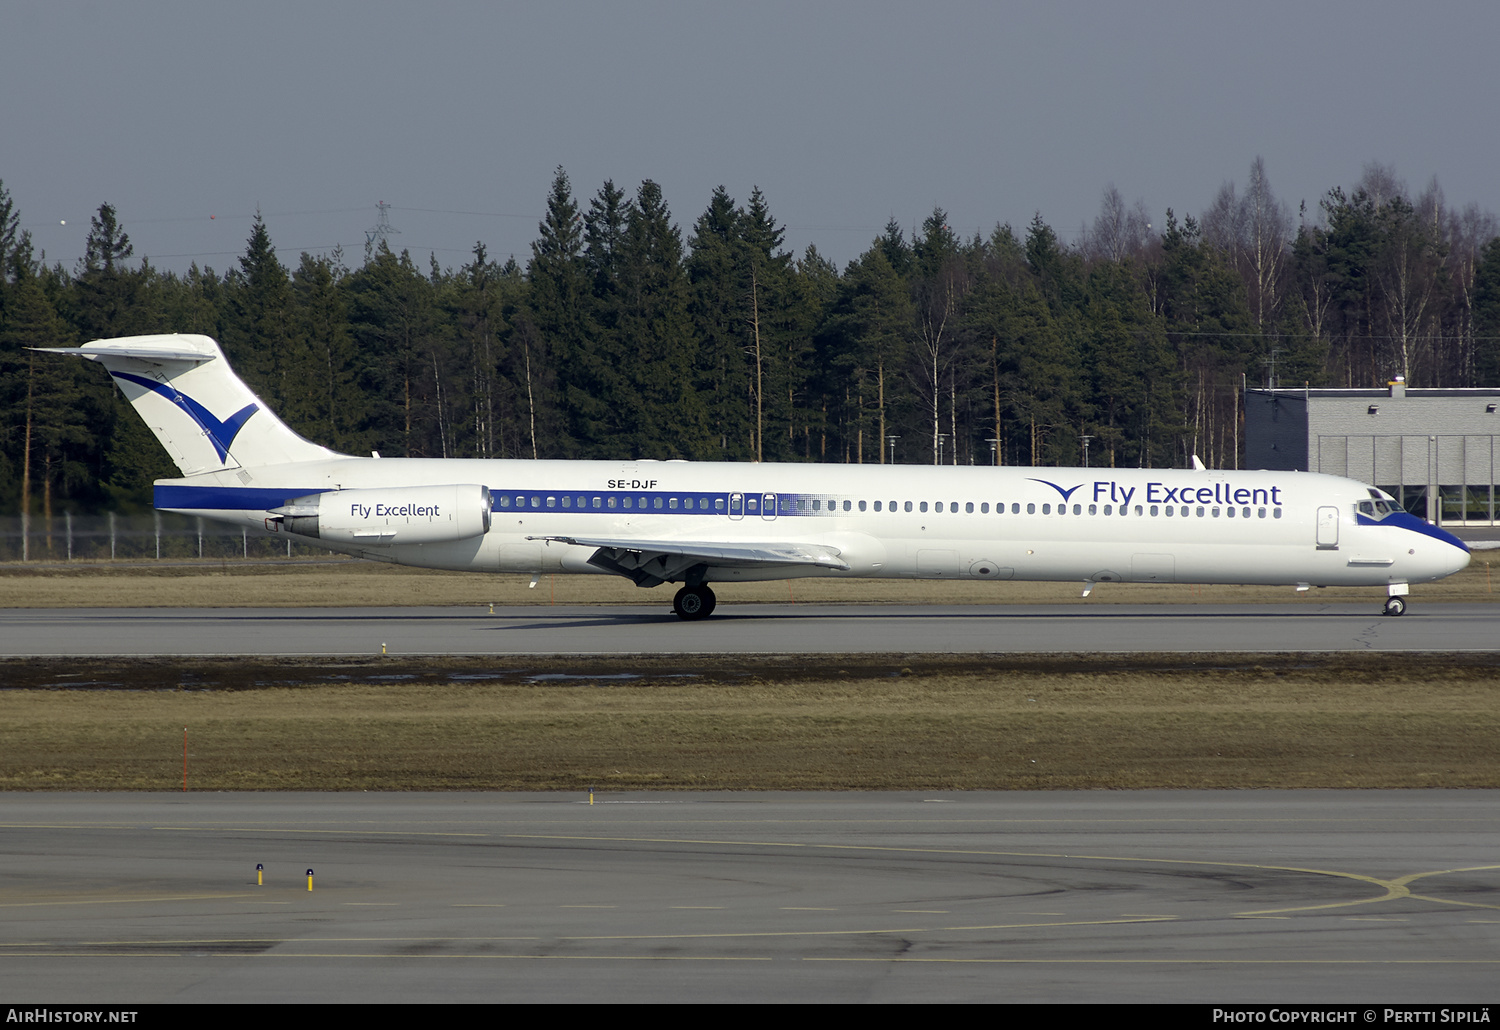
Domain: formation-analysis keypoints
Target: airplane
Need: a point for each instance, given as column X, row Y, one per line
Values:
column 697, row 523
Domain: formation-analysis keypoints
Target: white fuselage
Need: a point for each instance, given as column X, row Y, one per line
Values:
column 890, row 521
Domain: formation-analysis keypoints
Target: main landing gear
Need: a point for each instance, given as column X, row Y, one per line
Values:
column 692, row 603
column 1394, row 606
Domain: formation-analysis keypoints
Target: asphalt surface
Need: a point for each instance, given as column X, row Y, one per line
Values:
column 748, row 629
column 1210, row 897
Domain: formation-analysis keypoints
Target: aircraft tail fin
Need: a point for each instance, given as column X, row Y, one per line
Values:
column 203, row 414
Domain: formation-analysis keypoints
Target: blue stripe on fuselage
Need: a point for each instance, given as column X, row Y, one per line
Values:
column 227, row 498
column 1405, row 520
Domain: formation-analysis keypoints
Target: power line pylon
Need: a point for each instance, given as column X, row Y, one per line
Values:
column 380, row 231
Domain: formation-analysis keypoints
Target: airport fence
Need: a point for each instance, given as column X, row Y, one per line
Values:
column 152, row 536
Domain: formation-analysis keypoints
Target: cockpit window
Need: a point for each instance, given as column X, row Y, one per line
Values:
column 1375, row 509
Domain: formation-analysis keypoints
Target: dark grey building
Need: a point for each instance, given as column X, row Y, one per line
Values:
column 1433, row 450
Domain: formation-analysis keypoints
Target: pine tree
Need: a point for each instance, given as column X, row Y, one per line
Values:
column 554, row 332
column 666, row 416
column 722, row 323
column 259, row 333
column 109, row 295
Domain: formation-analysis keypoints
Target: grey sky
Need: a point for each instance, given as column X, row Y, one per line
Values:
column 845, row 114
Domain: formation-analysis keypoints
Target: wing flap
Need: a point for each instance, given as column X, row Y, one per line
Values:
column 652, row 562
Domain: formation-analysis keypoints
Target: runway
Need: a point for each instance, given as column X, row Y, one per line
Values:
column 1210, row 897
column 747, row 630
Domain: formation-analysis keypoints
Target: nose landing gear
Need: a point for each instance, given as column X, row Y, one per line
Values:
column 1394, row 606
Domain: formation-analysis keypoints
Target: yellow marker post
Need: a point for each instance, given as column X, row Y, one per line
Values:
column 591, row 795
column 492, row 607
column 309, row 879
column 260, row 875
column 382, row 647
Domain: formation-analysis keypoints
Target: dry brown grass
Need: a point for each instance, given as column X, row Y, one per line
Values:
column 1342, row 721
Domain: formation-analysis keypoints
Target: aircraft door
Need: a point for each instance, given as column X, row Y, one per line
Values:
column 768, row 506
column 736, row 506
column 1328, row 529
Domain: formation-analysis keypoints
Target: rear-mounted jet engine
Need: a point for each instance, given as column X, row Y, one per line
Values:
column 406, row 515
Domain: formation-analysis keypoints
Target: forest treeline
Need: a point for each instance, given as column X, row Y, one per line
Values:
column 624, row 336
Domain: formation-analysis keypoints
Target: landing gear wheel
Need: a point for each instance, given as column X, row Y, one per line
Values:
column 1394, row 606
column 692, row 603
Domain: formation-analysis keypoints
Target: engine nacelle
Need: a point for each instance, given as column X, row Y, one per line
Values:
column 399, row 515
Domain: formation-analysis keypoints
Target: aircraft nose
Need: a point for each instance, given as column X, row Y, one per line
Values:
column 1458, row 557
column 1450, row 559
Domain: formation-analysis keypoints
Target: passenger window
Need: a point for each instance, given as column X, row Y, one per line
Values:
column 862, row 505
column 628, row 502
column 552, row 502
column 1046, row 509
column 984, row 508
column 718, row 504
column 923, row 506
column 877, row 505
column 1153, row 511
column 1216, row 513
column 596, row 501
column 908, row 506
column 611, row 502
column 969, row 507
column 936, row 507
column 1030, row 508
column 1229, row 512
column 1260, row 513
column 1139, row 510
column 1015, row 508
column 1276, row 514
column 505, row 501
column 1077, row 509
column 1200, row 512
column 1093, row 509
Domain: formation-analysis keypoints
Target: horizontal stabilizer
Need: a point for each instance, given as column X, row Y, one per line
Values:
column 203, row 414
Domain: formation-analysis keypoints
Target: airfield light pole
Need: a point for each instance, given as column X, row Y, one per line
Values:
column 1086, row 440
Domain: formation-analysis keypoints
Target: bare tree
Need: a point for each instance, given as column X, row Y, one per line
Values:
column 1267, row 230
column 1407, row 275
column 1222, row 223
column 1467, row 233
column 1118, row 232
column 1254, row 232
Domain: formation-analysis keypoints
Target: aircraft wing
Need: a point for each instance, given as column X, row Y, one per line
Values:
column 652, row 562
